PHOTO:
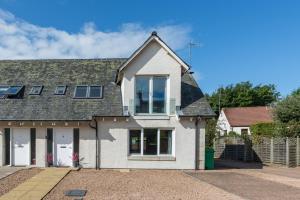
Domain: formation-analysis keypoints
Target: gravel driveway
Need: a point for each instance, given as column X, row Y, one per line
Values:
column 137, row 184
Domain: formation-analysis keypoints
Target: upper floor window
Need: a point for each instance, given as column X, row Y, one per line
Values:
column 36, row 90
column 150, row 94
column 88, row 91
column 60, row 90
column 10, row 91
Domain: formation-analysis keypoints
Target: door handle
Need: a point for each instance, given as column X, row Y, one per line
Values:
column 63, row 147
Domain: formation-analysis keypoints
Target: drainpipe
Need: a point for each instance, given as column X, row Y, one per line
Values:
column 198, row 118
column 97, row 140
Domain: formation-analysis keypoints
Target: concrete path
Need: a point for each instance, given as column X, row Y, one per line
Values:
column 38, row 186
column 7, row 170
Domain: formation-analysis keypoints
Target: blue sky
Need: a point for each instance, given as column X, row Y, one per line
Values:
column 257, row 40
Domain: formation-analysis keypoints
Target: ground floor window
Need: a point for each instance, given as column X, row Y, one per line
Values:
column 50, row 146
column 244, row 132
column 7, row 145
column 32, row 146
column 151, row 142
column 75, row 147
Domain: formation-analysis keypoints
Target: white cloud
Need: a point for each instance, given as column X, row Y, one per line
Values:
column 22, row 40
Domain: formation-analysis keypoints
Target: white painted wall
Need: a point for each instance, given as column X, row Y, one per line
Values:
column 223, row 124
column 114, row 144
column 153, row 60
column 41, row 147
column 87, row 147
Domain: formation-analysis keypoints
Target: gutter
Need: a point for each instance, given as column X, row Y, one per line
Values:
column 198, row 118
column 97, row 140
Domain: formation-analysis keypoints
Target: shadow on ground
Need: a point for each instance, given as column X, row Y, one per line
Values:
column 221, row 164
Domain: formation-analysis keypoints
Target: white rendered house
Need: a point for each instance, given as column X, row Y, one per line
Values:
column 146, row 111
column 239, row 119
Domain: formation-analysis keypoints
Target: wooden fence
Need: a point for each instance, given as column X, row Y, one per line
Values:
column 282, row 151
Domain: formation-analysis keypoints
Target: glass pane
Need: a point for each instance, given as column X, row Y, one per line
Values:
column 13, row 89
column 36, row 90
column 32, row 146
column 165, row 142
column 159, row 94
column 60, row 90
column 81, row 91
column 135, row 142
column 95, row 91
column 150, row 142
column 142, row 94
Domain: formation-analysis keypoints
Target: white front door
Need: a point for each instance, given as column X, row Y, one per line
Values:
column 21, row 146
column 63, row 146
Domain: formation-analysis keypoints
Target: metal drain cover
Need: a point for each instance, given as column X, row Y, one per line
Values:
column 75, row 193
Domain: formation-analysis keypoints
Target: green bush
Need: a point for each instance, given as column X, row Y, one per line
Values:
column 233, row 134
column 260, row 130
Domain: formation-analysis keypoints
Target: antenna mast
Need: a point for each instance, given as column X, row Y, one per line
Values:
column 192, row 45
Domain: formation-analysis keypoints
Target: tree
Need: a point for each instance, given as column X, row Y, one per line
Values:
column 287, row 115
column 243, row 94
column 288, row 109
column 210, row 132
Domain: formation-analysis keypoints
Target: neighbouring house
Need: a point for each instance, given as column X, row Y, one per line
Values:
column 240, row 119
column 146, row 111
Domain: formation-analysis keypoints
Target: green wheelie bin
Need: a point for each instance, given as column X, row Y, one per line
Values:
column 209, row 158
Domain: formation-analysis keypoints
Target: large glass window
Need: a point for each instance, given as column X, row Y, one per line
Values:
column 150, row 94
column 135, row 142
column 159, row 94
column 142, row 94
column 165, row 142
column 151, row 142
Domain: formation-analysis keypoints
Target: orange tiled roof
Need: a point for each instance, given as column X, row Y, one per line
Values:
column 247, row 116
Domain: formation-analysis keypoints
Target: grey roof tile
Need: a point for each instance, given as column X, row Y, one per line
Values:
column 51, row 73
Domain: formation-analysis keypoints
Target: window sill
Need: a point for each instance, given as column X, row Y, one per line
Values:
column 151, row 158
column 155, row 117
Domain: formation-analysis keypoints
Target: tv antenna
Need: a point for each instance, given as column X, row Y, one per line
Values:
column 192, row 45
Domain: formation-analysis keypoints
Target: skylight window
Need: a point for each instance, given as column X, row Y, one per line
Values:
column 10, row 91
column 60, row 90
column 94, row 91
column 36, row 90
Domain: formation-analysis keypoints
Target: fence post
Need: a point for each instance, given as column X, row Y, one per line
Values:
column 287, row 150
column 272, row 151
column 297, row 151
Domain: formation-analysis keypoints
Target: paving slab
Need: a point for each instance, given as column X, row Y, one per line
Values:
column 7, row 170
column 38, row 186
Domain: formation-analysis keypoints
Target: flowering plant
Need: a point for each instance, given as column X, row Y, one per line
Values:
column 50, row 158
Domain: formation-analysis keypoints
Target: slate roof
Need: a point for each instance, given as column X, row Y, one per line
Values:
column 193, row 101
column 72, row 72
column 247, row 116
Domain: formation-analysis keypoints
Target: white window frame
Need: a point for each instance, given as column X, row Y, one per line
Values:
column 158, row 142
column 41, row 87
column 56, row 90
column 151, row 94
